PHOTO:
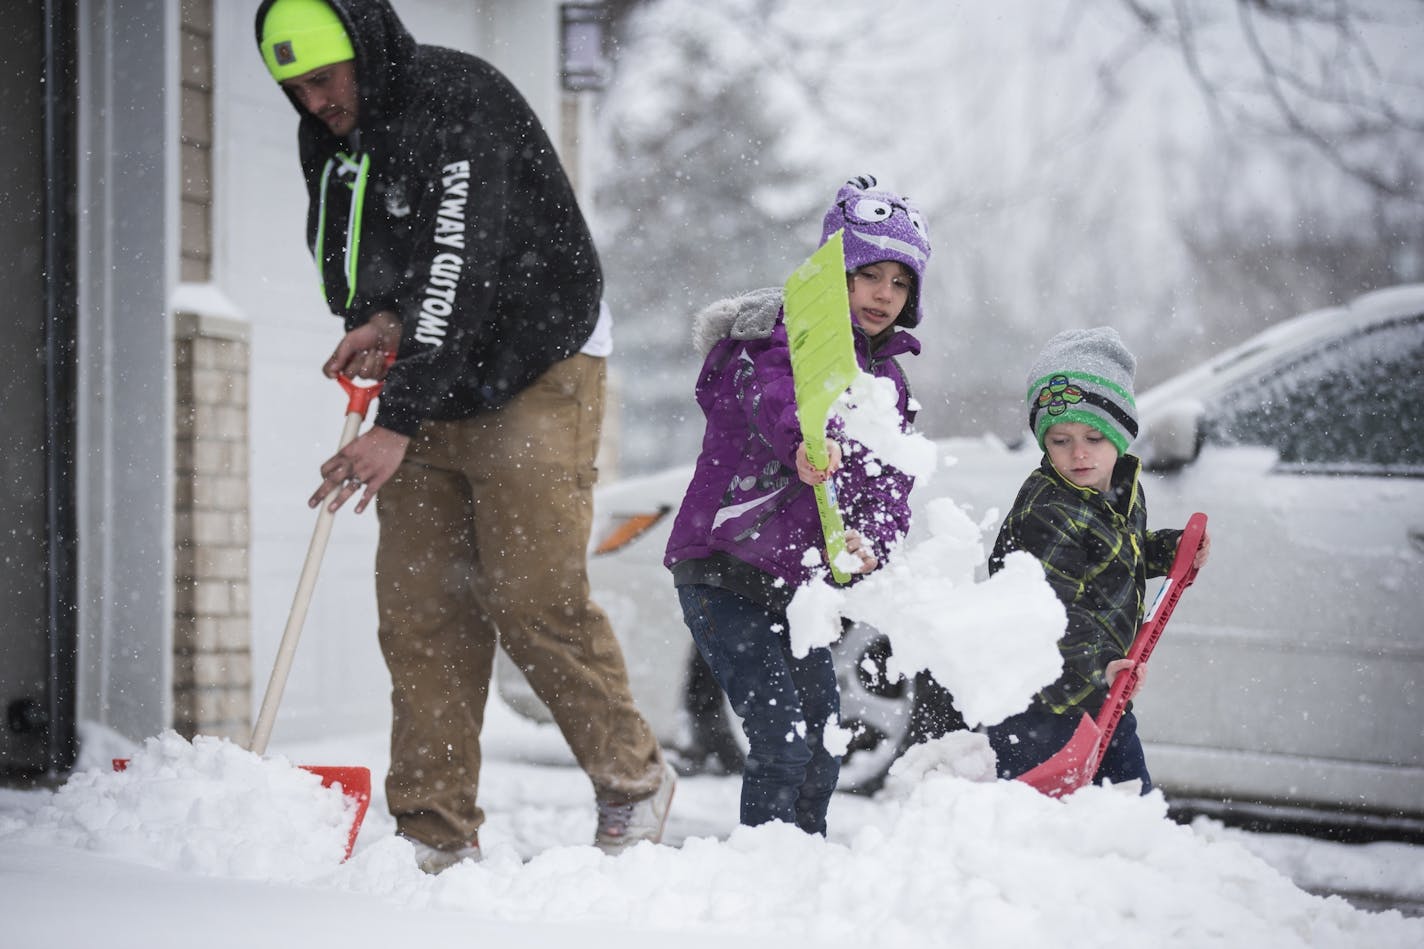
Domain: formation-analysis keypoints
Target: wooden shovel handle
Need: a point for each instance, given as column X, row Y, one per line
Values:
column 359, row 398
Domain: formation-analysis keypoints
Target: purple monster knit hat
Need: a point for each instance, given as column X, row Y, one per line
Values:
column 880, row 225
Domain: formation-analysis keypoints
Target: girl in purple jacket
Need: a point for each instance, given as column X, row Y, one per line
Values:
column 747, row 533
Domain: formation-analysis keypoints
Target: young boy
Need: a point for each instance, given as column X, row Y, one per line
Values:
column 1083, row 514
column 738, row 548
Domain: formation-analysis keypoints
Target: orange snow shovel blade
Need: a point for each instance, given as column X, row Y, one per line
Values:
column 1076, row 763
column 355, row 782
column 352, row 781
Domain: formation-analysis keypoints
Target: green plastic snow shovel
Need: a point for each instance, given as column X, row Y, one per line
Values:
column 822, row 367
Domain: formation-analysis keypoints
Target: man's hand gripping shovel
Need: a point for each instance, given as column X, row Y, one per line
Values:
column 823, row 366
column 1077, row 762
column 354, row 781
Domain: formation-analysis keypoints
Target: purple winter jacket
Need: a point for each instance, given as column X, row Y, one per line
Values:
column 745, row 499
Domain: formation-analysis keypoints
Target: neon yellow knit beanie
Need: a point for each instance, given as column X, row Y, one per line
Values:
column 301, row 35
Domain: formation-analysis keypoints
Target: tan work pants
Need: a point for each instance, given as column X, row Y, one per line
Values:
column 485, row 528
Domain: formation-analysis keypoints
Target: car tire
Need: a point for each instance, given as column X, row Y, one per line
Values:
column 884, row 716
column 877, row 709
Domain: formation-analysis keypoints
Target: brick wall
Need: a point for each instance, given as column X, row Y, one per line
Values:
column 196, row 142
column 212, row 622
column 212, row 681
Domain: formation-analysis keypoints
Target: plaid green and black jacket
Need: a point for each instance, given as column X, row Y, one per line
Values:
column 1097, row 554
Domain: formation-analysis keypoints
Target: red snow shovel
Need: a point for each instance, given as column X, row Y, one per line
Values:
column 1077, row 762
column 354, row 781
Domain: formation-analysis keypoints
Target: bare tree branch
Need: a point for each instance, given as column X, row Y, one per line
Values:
column 1317, row 79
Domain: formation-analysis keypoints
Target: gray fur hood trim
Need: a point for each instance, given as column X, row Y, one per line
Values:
column 750, row 315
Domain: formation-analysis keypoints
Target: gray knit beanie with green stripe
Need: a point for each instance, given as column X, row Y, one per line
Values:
column 1084, row 376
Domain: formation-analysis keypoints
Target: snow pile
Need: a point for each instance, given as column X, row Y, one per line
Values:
column 208, row 808
column 943, row 855
column 991, row 863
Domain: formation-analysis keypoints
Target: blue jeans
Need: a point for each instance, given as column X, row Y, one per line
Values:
column 1026, row 740
column 784, row 703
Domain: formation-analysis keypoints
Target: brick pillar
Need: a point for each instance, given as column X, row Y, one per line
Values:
column 212, row 623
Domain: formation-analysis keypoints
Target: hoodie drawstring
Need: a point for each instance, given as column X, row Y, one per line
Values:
column 361, row 168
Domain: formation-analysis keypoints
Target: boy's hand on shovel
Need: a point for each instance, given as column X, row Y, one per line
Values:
column 1122, row 666
column 1203, row 551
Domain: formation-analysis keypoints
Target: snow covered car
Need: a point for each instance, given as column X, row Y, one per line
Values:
column 1288, row 684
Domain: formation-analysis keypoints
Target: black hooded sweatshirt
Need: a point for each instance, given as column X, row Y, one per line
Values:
column 468, row 228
